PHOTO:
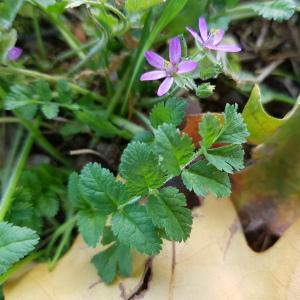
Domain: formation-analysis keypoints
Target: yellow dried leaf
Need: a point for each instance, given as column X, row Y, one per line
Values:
column 215, row 263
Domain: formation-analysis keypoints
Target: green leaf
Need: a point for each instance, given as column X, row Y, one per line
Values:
column 15, row 243
column 97, row 122
column 260, row 124
column 50, row 110
column 100, row 188
column 91, row 225
column 47, row 204
column 140, row 167
column 107, row 236
column 90, row 219
column 43, row 91
column 7, row 41
column 209, row 129
column 73, row 189
column 175, row 149
column 8, row 12
column 234, row 130
column 204, row 178
column 45, row 3
column 18, row 96
column 134, row 228
column 138, row 5
column 278, row 10
column 205, row 90
column 65, row 93
column 168, row 212
column 208, row 69
column 171, row 112
column 116, row 258
column 227, row 158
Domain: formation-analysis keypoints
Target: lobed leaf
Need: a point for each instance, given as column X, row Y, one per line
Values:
column 139, row 166
column 134, row 228
column 99, row 187
column 175, row 149
column 278, row 10
column 168, row 212
column 116, row 258
column 90, row 224
column 90, row 219
column 15, row 243
column 227, row 158
column 204, row 178
column 171, row 112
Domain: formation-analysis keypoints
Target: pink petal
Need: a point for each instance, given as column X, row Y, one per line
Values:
column 203, row 28
column 186, row 66
column 175, row 50
column 165, row 86
column 218, row 37
column 154, row 59
column 153, row 75
column 14, row 53
column 225, row 48
column 195, row 35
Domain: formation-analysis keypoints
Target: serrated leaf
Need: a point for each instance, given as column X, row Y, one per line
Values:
column 17, row 97
column 171, row 112
column 50, row 110
column 168, row 212
column 209, row 129
column 204, row 178
column 175, row 149
column 47, row 204
column 107, row 236
column 90, row 224
column 205, row 90
column 234, row 130
column 98, row 186
column 97, row 122
column 208, row 69
column 64, row 91
column 15, row 243
column 227, row 158
column 134, row 228
column 73, row 189
column 116, row 258
column 90, row 221
column 277, row 10
column 140, row 167
column 43, row 90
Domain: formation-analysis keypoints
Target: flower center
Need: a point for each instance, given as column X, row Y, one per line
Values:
column 171, row 69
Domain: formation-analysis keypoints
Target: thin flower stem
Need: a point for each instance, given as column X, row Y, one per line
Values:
column 8, row 198
column 39, row 40
column 151, row 101
column 115, row 99
column 7, row 120
column 51, row 78
column 11, row 157
column 42, row 141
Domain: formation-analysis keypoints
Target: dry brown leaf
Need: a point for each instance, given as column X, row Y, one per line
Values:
column 215, row 263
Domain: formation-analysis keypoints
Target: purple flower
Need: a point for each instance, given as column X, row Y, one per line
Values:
column 212, row 39
column 14, row 53
column 168, row 69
